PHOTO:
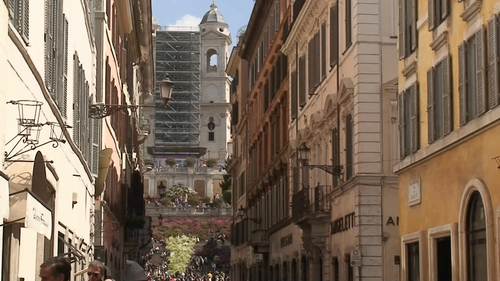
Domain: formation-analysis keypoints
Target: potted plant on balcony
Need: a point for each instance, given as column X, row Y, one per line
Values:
column 190, row 162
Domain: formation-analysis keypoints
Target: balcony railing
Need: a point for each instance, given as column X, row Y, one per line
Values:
column 312, row 201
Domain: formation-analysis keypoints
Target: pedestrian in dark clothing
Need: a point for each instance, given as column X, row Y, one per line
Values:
column 55, row 269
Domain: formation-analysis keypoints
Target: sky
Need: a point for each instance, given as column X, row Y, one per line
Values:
column 190, row 12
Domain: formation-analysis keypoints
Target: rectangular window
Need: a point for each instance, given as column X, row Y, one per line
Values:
column 438, row 12
column 443, row 258
column 413, row 262
column 439, row 100
column 472, row 80
column 409, row 119
column 348, row 24
column 349, row 268
column 334, row 35
column 323, row 52
column 349, row 146
column 211, row 136
column 407, row 27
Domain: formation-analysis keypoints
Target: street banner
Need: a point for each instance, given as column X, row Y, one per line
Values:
column 38, row 217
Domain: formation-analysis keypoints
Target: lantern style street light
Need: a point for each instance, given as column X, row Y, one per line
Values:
column 101, row 110
column 304, row 154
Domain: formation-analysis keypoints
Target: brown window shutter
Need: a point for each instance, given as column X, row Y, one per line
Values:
column 323, row 51
column 462, row 83
column 310, row 66
column 294, row 92
column 481, row 72
column 302, row 81
column 349, row 139
column 493, row 63
column 431, row 13
column 413, row 31
column 336, row 153
column 447, row 97
column 430, row 105
column 402, row 26
column 317, row 59
column 414, row 110
column 401, row 125
column 334, row 36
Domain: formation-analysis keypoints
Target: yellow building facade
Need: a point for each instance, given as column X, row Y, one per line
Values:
column 449, row 119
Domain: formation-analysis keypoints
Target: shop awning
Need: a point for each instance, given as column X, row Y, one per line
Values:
column 4, row 196
column 24, row 206
column 102, row 174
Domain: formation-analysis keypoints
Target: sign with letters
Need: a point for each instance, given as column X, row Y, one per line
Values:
column 4, row 199
column 38, row 217
column 414, row 194
column 343, row 223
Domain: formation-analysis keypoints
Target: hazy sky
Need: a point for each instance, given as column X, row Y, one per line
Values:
column 190, row 12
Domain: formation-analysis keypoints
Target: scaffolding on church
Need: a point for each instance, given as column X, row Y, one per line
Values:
column 178, row 56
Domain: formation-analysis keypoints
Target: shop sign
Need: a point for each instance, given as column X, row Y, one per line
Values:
column 343, row 223
column 394, row 221
column 286, row 240
column 4, row 199
column 414, row 194
column 38, row 217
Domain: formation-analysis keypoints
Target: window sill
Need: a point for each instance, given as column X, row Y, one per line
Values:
column 470, row 11
column 410, row 69
column 439, row 41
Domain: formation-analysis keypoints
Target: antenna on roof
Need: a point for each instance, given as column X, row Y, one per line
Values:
column 213, row 4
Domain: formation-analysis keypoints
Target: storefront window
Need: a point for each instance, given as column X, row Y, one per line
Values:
column 476, row 239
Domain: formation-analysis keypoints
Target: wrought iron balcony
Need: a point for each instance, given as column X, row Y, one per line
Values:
column 311, row 203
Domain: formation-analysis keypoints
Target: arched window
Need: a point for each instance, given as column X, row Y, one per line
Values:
column 476, row 239
column 212, row 60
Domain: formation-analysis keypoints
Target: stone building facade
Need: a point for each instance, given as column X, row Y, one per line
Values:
column 449, row 120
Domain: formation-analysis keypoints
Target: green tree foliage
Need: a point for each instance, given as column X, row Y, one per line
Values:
column 181, row 251
column 225, row 184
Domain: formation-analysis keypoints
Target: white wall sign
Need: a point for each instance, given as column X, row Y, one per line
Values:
column 38, row 217
column 414, row 193
column 4, row 199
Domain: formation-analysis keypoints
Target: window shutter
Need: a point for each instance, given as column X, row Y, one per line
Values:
column 401, row 107
column 431, row 17
column 493, row 62
column 402, row 26
column 447, row 97
column 415, row 128
column 323, row 51
column 302, row 81
column 462, row 82
column 294, row 97
column 26, row 19
column 76, row 100
column 334, row 36
column 64, row 97
column 430, row 104
column 413, row 31
column 349, row 146
column 446, row 8
column 336, row 153
column 12, row 8
column 310, row 65
column 481, row 72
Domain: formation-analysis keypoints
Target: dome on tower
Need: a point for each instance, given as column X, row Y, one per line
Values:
column 213, row 15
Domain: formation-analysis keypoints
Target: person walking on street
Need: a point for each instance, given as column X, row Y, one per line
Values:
column 97, row 271
column 55, row 269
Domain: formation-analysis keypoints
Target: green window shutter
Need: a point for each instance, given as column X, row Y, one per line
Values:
column 25, row 19
column 462, row 84
column 447, row 97
column 431, row 13
column 414, row 117
column 430, row 105
column 402, row 26
column 481, row 72
column 493, row 63
column 401, row 110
